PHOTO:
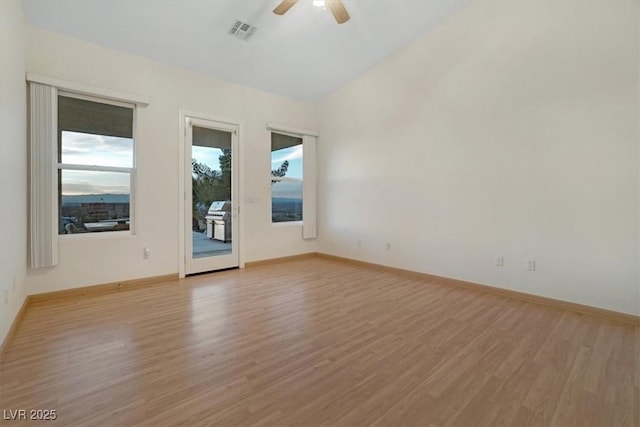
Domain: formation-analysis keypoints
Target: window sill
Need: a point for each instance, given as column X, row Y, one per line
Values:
column 286, row 224
column 96, row 236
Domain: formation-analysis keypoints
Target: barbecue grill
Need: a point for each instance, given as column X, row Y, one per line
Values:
column 219, row 221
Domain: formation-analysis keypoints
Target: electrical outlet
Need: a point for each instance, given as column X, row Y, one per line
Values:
column 388, row 246
column 531, row 265
column 499, row 261
column 146, row 252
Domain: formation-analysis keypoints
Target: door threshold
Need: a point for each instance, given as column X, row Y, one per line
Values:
column 212, row 271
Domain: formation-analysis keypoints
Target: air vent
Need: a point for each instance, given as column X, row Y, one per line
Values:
column 242, row 30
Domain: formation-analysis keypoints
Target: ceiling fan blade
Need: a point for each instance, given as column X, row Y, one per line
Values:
column 339, row 12
column 284, row 7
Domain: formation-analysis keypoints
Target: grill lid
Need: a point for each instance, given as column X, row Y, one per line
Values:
column 219, row 206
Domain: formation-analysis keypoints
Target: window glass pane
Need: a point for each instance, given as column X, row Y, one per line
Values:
column 286, row 201
column 97, row 150
column 287, row 162
column 92, row 201
column 286, row 182
column 211, row 172
column 279, row 141
column 94, row 133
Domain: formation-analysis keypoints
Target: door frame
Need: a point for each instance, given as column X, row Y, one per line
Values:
column 182, row 196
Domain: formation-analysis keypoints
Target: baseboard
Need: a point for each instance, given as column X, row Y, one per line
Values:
column 523, row 296
column 279, row 260
column 104, row 288
column 14, row 325
column 149, row 281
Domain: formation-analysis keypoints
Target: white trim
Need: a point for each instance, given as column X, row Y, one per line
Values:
column 209, row 117
column 237, row 165
column 81, row 89
column 124, row 234
column 285, row 178
column 182, row 144
column 304, row 135
column 181, row 209
column 287, row 224
column 97, row 99
column 273, row 127
column 95, row 168
column 132, row 171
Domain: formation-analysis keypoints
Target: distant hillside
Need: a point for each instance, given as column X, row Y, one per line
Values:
column 286, row 209
column 79, row 199
column 286, row 201
column 94, row 198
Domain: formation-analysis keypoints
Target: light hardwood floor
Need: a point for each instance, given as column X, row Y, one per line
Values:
column 318, row 342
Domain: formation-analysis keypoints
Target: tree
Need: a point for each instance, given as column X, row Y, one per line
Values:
column 222, row 186
column 203, row 180
column 280, row 172
column 210, row 184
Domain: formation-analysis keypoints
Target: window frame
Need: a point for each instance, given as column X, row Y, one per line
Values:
column 132, row 171
column 284, row 178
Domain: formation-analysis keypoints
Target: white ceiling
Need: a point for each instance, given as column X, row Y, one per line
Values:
column 304, row 54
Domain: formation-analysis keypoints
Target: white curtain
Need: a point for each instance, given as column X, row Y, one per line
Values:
column 43, row 179
column 310, row 178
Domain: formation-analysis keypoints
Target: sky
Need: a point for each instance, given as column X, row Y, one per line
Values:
column 293, row 155
column 284, row 189
column 209, row 156
column 98, row 150
column 101, row 150
column 288, row 189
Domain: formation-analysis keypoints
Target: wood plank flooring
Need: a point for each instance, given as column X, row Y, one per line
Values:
column 318, row 342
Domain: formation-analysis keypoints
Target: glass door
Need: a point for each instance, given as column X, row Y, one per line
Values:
column 211, row 196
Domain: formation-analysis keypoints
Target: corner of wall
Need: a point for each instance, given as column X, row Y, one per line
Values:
column 13, row 164
column 638, row 149
column 519, row 140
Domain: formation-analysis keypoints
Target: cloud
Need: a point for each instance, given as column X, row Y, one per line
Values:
column 74, row 189
column 207, row 155
column 90, row 182
column 88, row 149
column 291, row 153
column 287, row 189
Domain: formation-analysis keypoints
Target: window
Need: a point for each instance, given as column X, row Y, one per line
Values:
column 96, row 165
column 286, row 178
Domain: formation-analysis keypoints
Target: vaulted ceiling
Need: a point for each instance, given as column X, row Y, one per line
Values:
column 304, row 54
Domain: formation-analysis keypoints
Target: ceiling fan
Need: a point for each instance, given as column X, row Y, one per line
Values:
column 335, row 6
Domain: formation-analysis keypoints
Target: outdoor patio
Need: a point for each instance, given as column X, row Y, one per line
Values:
column 203, row 246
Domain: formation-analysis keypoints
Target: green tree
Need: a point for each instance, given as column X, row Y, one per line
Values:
column 210, row 184
column 203, row 181
column 280, row 172
column 222, row 186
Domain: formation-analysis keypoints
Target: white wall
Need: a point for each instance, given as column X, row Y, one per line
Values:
column 512, row 130
column 638, row 138
column 100, row 260
column 13, row 163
